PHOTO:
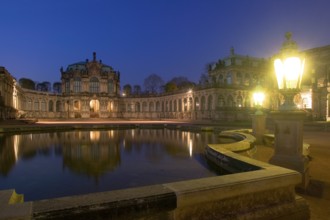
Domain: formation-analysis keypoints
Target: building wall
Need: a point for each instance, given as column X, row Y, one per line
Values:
column 90, row 89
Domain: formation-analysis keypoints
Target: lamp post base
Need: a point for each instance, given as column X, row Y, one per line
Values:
column 288, row 143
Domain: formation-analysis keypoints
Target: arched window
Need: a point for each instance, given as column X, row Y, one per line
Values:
column 171, row 109
column 94, row 85
column 77, row 85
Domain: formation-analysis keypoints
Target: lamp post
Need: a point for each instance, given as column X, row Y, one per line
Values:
column 258, row 118
column 288, row 120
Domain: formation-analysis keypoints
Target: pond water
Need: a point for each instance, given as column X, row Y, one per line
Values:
column 49, row 165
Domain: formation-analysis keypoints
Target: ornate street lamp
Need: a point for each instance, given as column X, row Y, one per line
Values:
column 289, row 68
column 288, row 121
column 258, row 98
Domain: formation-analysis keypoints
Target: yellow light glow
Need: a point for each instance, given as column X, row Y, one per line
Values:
column 289, row 72
column 258, row 98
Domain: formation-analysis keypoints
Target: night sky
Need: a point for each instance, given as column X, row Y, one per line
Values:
column 140, row 37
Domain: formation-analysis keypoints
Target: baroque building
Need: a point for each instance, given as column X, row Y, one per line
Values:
column 91, row 89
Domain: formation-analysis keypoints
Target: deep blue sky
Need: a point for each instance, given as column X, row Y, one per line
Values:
column 141, row 37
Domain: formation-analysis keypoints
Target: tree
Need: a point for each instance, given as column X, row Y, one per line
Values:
column 27, row 83
column 57, row 87
column 182, row 82
column 127, row 89
column 153, row 84
column 203, row 80
column 170, row 87
column 137, row 90
column 44, row 86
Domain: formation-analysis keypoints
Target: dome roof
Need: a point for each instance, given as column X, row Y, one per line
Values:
column 82, row 65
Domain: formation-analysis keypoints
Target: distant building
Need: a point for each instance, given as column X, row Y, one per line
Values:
column 91, row 89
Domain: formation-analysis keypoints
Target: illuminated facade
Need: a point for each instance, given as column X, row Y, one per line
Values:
column 90, row 89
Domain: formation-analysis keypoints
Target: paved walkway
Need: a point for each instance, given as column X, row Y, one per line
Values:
column 318, row 195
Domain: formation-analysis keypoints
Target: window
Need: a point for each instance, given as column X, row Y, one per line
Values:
column 67, row 86
column 77, row 85
column 229, row 78
column 94, row 85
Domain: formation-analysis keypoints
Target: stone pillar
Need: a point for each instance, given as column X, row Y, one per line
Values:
column 258, row 127
column 288, row 143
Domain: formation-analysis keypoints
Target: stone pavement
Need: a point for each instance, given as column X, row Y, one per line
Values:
column 318, row 194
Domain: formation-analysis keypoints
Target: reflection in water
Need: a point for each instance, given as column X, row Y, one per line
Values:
column 55, row 164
